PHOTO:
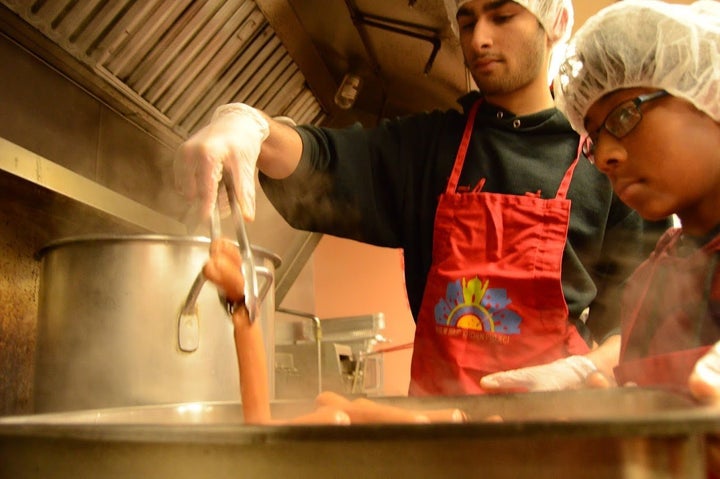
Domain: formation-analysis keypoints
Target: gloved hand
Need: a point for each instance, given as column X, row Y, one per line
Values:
column 231, row 141
column 704, row 382
column 566, row 373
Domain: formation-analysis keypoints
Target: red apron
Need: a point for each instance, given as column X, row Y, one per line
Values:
column 493, row 299
column 666, row 328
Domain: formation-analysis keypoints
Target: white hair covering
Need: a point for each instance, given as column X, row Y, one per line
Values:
column 556, row 18
column 550, row 15
column 643, row 43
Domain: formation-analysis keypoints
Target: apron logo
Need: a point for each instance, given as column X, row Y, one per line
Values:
column 473, row 305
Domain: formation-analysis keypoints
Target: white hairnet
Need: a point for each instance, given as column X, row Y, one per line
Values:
column 556, row 18
column 550, row 14
column 643, row 43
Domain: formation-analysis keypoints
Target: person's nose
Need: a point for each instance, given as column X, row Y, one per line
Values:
column 482, row 35
column 609, row 154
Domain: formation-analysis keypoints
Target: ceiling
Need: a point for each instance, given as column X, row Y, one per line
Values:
column 166, row 64
column 405, row 51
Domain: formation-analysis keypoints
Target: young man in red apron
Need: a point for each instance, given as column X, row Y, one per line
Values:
column 494, row 299
column 642, row 83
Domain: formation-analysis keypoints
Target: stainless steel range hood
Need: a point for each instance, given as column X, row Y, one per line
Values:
column 171, row 62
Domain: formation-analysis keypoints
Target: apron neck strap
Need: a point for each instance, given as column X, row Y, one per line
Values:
column 462, row 150
column 565, row 183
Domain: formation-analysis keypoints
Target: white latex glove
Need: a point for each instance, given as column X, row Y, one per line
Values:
column 704, row 382
column 566, row 373
column 231, row 141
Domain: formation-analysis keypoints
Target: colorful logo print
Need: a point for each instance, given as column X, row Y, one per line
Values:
column 474, row 305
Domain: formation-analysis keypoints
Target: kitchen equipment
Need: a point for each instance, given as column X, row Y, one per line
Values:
column 285, row 361
column 331, row 352
column 251, row 290
column 108, row 330
column 616, row 433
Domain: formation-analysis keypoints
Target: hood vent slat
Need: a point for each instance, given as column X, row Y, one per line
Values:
column 179, row 59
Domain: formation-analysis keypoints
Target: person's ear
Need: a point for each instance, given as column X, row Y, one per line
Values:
column 560, row 25
column 564, row 18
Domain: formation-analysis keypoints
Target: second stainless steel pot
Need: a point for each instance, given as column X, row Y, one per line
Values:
column 108, row 329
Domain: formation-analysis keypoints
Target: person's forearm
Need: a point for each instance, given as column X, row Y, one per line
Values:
column 281, row 151
column 606, row 356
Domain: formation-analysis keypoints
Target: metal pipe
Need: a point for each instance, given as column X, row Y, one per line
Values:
column 318, row 337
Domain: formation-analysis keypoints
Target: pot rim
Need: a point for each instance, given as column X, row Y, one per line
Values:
column 150, row 238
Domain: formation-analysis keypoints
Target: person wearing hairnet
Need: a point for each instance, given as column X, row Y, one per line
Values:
column 499, row 268
column 641, row 84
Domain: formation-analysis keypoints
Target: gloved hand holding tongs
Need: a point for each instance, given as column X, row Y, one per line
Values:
column 224, row 153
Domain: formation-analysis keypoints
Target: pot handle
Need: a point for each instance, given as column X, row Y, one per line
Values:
column 189, row 322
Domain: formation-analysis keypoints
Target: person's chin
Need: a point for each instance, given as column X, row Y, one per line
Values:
column 650, row 212
column 636, row 196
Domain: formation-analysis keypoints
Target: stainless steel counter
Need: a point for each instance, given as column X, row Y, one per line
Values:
column 622, row 433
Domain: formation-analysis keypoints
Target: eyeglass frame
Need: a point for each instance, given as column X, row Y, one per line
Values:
column 588, row 144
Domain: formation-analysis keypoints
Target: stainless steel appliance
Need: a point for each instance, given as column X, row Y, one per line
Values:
column 340, row 362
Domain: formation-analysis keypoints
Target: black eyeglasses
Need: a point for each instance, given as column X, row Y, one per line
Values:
column 619, row 122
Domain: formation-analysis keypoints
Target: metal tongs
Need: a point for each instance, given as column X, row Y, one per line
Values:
column 188, row 322
column 252, row 302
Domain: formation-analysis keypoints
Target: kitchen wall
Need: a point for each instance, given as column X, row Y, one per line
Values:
column 367, row 280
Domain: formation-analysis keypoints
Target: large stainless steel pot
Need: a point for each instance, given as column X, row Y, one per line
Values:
column 619, row 433
column 108, row 325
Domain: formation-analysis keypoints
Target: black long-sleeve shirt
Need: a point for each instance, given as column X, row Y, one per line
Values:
column 381, row 186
